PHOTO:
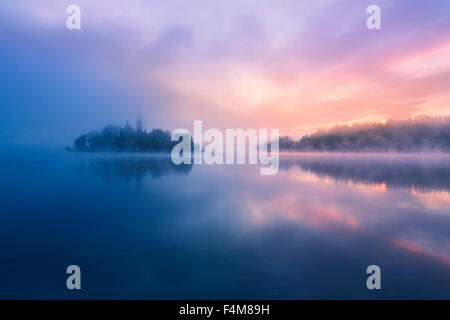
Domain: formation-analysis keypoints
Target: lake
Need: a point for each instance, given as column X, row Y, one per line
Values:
column 140, row 227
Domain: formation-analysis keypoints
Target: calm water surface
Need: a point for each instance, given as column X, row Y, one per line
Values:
column 140, row 227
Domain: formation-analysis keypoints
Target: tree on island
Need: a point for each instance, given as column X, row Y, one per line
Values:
column 115, row 138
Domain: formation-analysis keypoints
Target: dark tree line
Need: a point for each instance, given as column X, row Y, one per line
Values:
column 413, row 135
column 115, row 138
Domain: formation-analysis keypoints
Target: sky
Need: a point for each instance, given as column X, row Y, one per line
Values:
column 292, row 65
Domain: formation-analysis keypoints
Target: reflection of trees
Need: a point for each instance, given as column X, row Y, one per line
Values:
column 138, row 168
column 423, row 173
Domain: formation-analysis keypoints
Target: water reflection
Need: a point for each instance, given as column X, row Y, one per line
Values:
column 391, row 205
column 415, row 172
column 326, row 193
column 418, row 173
column 136, row 167
column 225, row 231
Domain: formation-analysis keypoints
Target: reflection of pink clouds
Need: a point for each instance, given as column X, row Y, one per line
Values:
column 320, row 216
column 320, row 204
column 312, row 215
column 313, row 178
column 437, row 200
column 371, row 187
column 417, row 248
column 301, row 176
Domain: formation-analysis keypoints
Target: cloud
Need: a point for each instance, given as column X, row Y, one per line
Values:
column 295, row 65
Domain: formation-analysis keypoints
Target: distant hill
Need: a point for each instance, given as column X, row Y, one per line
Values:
column 422, row 133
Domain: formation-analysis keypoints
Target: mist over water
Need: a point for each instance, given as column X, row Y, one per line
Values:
column 141, row 227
